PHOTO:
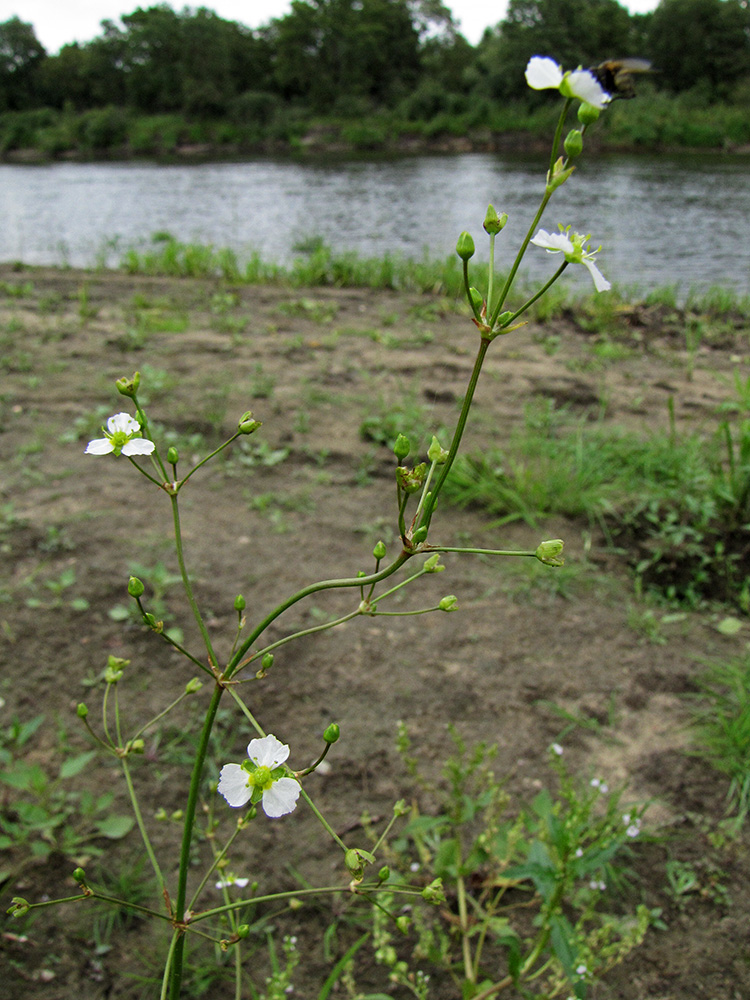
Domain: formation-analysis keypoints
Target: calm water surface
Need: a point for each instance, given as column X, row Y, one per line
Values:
column 667, row 220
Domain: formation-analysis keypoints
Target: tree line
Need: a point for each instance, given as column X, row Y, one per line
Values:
column 349, row 58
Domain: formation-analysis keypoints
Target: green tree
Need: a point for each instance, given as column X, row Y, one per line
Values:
column 327, row 52
column 20, row 55
column 700, row 42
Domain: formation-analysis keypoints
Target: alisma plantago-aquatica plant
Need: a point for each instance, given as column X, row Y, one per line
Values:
column 265, row 778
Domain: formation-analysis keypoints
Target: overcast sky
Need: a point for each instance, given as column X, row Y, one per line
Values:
column 57, row 22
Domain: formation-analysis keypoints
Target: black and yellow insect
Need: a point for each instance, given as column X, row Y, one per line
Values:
column 616, row 75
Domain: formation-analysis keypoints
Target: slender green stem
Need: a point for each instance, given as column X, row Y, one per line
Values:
column 491, row 273
column 161, row 715
column 146, row 431
column 246, row 711
column 141, row 825
column 217, row 858
column 467, row 290
column 480, row 552
column 558, row 134
column 146, row 474
column 324, row 822
column 208, row 458
column 186, row 583
column 298, row 635
column 458, row 433
column 356, row 581
column 539, row 294
column 519, row 257
column 187, row 836
column 176, row 936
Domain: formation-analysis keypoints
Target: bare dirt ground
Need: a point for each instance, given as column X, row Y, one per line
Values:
column 308, row 501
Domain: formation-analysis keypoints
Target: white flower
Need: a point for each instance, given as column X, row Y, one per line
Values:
column 122, row 436
column 543, row 73
column 261, row 776
column 232, row 880
column 581, row 970
column 594, row 884
column 633, row 830
column 574, row 247
column 598, row 783
column 557, row 749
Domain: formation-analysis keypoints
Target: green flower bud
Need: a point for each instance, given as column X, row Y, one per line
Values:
column 177, row 815
column 587, row 113
column 173, row 456
column 152, row 623
column 247, row 424
column 353, row 862
column 411, row 480
column 549, row 552
column 433, row 893
column 465, row 246
column 573, row 144
column 420, row 534
column 557, row 176
column 18, row 906
column 436, row 453
column 400, row 808
column 384, row 874
column 81, row 710
column 477, row 300
column 503, row 318
column 402, row 447
column 243, row 930
column 403, row 923
column 239, row 603
column 79, row 876
column 449, row 603
column 267, row 661
column 135, row 587
column 332, row 733
column 128, row 386
column 193, row 686
column 160, row 814
column 432, row 565
column 136, row 746
column 493, row 222
column 379, row 550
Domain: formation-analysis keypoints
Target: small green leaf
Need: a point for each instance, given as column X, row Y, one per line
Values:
column 74, row 765
column 115, row 827
column 729, row 625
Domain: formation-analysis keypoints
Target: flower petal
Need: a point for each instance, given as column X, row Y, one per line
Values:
column 123, row 423
column 584, row 85
column 233, row 785
column 543, row 73
column 600, row 282
column 268, row 752
column 99, row 446
column 138, row 446
column 281, row 797
column 553, row 242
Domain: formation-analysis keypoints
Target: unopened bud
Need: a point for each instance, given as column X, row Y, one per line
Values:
column 402, row 447
column 136, row 746
column 384, row 874
column 239, row 603
column 477, row 300
column 173, row 456
column 243, row 930
column 82, row 710
column 353, row 863
column 403, row 923
column 79, row 875
column 449, row 603
column 332, row 733
column 433, row 893
column 193, row 686
column 420, row 534
column 550, row 552
column 379, row 550
column 465, row 246
column 135, row 587
column 410, row 480
column 573, row 144
column 18, row 906
column 247, row 424
column 432, row 565
column 587, row 113
column 436, row 453
column 493, row 222
column 128, row 386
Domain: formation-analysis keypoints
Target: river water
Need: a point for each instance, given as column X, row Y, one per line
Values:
column 668, row 220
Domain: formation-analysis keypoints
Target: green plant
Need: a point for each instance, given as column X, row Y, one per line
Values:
column 721, row 727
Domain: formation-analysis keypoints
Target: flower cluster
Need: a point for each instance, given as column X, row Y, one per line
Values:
column 262, row 777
